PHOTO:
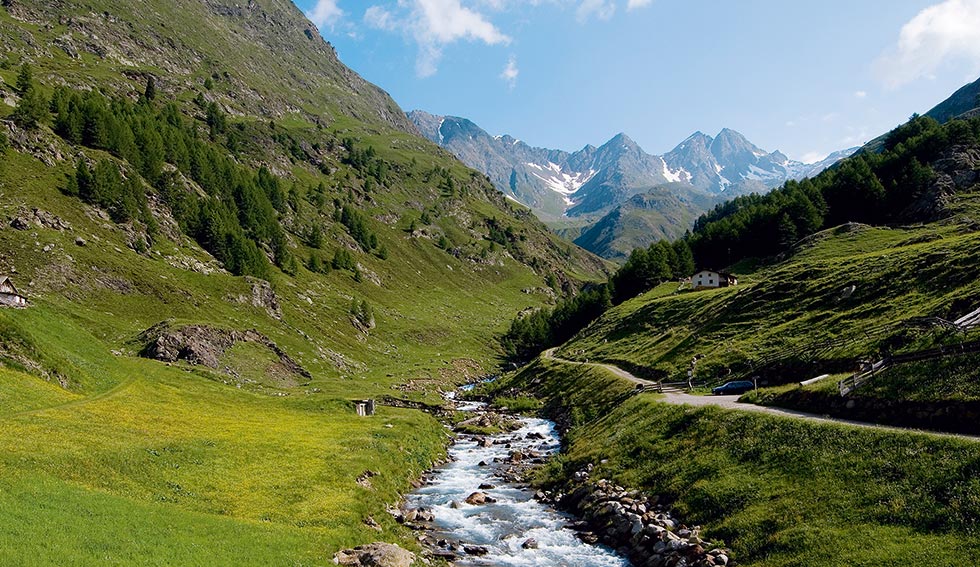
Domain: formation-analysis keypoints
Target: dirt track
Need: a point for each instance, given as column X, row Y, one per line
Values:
column 731, row 402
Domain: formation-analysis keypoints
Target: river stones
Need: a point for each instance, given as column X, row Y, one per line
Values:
column 637, row 525
column 530, row 543
column 475, row 550
column 479, row 498
column 378, row 554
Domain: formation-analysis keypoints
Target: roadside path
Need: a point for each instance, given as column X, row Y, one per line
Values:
column 677, row 397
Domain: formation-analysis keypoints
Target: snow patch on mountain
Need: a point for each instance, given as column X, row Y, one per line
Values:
column 758, row 174
column 560, row 181
column 681, row 175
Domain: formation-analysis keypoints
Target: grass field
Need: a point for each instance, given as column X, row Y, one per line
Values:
column 172, row 469
column 151, row 462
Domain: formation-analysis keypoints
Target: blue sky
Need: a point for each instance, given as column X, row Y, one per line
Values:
column 806, row 78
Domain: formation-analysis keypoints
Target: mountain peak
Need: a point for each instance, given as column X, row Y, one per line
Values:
column 622, row 139
column 698, row 135
column 732, row 146
column 729, row 135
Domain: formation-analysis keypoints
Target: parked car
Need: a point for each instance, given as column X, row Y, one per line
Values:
column 731, row 388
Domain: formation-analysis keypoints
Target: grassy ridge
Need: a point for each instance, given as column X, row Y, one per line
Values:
column 779, row 491
column 897, row 274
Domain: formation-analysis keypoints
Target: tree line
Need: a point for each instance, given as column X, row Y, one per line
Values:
column 890, row 186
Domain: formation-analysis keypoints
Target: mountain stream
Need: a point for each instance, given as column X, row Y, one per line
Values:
column 512, row 529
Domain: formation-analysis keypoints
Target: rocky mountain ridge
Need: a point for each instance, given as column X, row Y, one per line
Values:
column 593, row 180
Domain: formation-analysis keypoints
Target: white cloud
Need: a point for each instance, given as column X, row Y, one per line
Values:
column 434, row 24
column 325, row 14
column 790, row 124
column 602, row 9
column 860, row 94
column 446, row 21
column 948, row 31
column 379, row 18
column 510, row 72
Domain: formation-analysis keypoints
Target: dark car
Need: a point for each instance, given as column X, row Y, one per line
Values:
column 736, row 387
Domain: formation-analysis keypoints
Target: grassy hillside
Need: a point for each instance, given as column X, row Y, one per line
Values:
column 777, row 491
column 792, row 308
column 384, row 267
column 657, row 215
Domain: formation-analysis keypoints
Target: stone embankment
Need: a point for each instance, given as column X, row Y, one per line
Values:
column 634, row 524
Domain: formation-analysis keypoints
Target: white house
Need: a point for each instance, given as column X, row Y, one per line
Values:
column 707, row 279
column 9, row 295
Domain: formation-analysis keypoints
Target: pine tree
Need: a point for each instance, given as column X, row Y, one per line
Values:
column 82, row 182
column 25, row 79
column 314, row 264
column 150, row 93
column 31, row 109
column 786, row 232
column 685, row 259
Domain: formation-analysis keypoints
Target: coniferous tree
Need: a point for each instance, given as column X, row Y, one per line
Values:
column 25, row 79
column 786, row 232
column 685, row 258
column 31, row 109
column 150, row 92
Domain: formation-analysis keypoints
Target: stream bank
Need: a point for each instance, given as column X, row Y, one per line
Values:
column 477, row 509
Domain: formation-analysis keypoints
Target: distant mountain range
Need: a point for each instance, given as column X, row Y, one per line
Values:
column 620, row 195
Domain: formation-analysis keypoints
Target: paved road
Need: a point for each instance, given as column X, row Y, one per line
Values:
column 676, row 397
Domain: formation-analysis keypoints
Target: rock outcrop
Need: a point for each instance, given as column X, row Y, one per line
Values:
column 35, row 217
column 203, row 345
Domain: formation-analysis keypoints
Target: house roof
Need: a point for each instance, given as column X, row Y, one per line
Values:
column 7, row 280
